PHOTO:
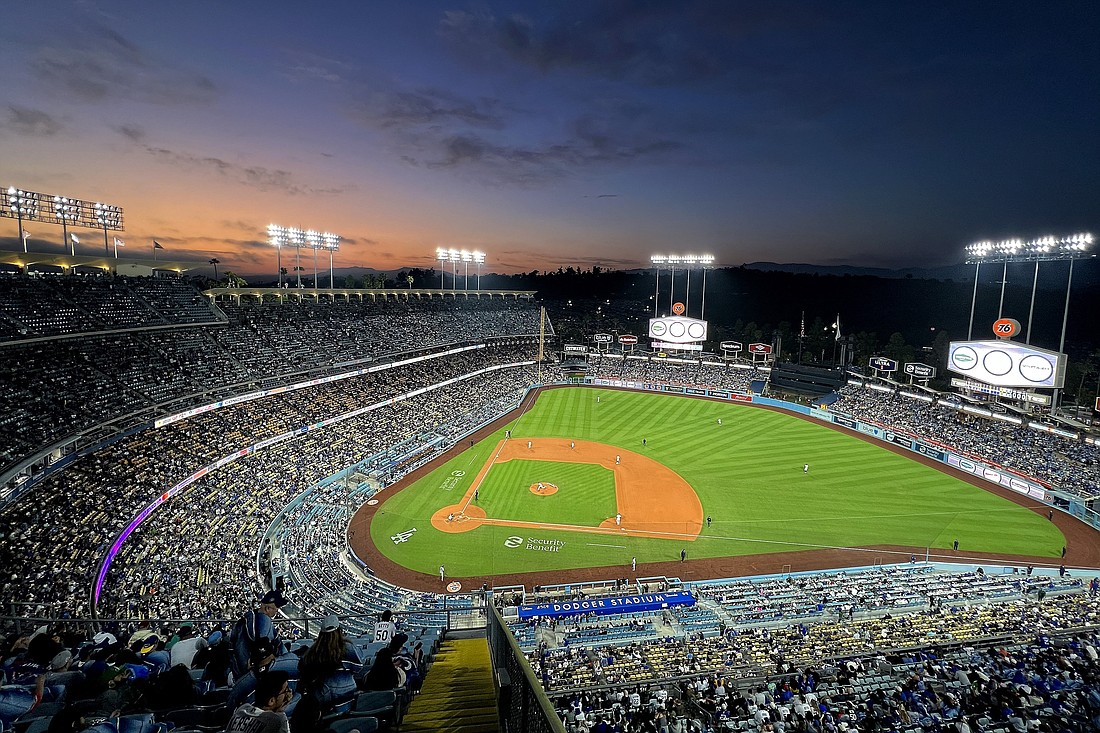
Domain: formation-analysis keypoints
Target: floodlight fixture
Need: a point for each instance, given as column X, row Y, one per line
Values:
column 20, row 204
column 280, row 236
column 1045, row 248
column 689, row 262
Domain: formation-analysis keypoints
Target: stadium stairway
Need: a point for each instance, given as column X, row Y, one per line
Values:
column 458, row 694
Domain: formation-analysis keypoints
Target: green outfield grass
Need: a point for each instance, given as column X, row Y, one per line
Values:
column 748, row 473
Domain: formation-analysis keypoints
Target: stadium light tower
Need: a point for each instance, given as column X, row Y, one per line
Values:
column 65, row 210
column 277, row 238
column 1043, row 249
column 108, row 217
column 690, row 262
column 327, row 241
column 467, row 258
column 479, row 258
column 442, row 255
column 657, row 261
column 455, row 256
column 280, row 237
column 20, row 205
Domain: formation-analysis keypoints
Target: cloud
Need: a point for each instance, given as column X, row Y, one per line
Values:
column 30, row 122
column 635, row 41
column 258, row 177
column 442, row 131
column 306, row 66
column 134, row 133
column 399, row 109
column 100, row 64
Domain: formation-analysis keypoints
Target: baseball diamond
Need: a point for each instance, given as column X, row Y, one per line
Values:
column 863, row 503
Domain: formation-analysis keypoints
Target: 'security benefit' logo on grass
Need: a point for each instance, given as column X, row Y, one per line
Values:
column 534, row 543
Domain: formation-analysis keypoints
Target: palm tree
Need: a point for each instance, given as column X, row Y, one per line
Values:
column 215, row 262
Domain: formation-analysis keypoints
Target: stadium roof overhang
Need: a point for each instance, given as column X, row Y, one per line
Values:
column 111, row 264
column 420, row 293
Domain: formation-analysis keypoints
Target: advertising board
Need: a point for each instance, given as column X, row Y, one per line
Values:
column 920, row 371
column 883, row 364
column 677, row 329
column 1007, row 364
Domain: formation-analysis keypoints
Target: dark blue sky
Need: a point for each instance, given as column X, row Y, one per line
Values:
column 575, row 133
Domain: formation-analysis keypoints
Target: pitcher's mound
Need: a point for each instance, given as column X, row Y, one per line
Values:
column 543, row 489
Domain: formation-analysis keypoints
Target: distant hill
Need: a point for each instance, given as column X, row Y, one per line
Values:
column 1051, row 275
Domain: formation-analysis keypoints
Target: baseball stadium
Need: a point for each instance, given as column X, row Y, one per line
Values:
column 537, row 534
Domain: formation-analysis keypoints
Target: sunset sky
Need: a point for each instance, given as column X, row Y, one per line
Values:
column 558, row 133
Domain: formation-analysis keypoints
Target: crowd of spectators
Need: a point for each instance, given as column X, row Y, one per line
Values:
column 1065, row 463
column 187, row 351
column 698, row 374
column 1025, row 663
column 242, row 676
column 53, row 539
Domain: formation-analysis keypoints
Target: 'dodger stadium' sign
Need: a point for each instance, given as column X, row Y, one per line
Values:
column 603, row 606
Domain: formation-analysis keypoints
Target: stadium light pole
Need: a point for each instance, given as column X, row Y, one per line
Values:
column 467, row 257
column 657, row 261
column 24, row 204
column 479, row 258
column 454, row 255
column 706, row 261
column 1031, row 308
column 442, row 256
column 65, row 210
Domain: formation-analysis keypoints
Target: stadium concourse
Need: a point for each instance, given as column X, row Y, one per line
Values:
column 258, row 492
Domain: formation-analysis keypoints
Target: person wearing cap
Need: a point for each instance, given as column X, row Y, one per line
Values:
column 252, row 629
column 266, row 714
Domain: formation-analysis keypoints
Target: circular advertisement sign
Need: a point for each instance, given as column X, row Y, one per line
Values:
column 676, row 328
column 372, row 502
column 997, row 363
column 1035, row 368
column 678, row 309
column 454, row 586
column 696, row 330
column 964, row 358
column 658, row 329
column 1006, row 328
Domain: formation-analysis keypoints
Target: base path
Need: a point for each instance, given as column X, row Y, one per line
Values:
column 651, row 499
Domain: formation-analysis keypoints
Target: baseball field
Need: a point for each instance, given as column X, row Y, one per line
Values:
column 594, row 478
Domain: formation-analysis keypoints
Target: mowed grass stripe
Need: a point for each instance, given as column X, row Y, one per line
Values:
column 749, row 479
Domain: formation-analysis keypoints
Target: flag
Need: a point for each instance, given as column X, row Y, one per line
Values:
column 74, row 238
column 26, row 235
column 157, row 245
column 119, row 242
column 837, row 324
column 802, row 330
